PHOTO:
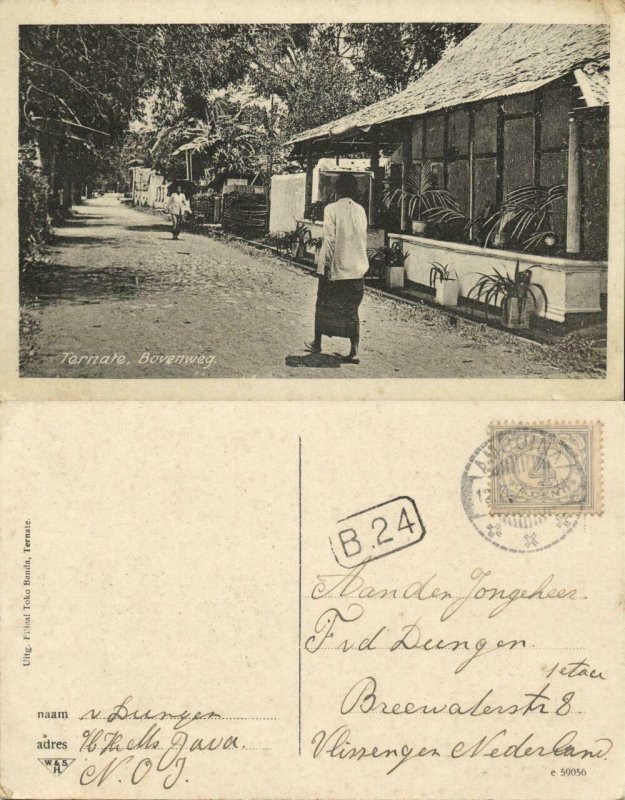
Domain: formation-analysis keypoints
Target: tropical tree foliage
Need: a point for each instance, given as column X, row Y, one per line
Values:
column 398, row 53
column 226, row 135
column 84, row 87
column 79, row 88
column 309, row 74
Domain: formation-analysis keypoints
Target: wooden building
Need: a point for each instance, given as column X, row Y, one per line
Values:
column 510, row 106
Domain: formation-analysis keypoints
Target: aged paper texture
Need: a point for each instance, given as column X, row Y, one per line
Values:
column 278, row 600
column 113, row 306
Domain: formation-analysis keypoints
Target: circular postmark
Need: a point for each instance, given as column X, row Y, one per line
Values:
column 516, row 533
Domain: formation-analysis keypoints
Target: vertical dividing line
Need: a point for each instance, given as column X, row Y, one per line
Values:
column 299, row 584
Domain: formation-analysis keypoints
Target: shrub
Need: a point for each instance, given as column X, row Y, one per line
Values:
column 33, row 193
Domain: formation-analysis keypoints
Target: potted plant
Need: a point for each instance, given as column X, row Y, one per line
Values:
column 394, row 274
column 515, row 294
column 445, row 280
column 524, row 221
column 387, row 263
column 426, row 202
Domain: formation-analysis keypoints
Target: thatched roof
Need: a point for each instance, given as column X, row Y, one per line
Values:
column 496, row 60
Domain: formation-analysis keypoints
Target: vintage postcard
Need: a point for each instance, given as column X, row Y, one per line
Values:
column 237, row 201
column 322, row 601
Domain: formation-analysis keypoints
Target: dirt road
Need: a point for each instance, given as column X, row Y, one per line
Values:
column 120, row 299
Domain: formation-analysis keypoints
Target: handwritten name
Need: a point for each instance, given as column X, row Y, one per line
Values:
column 352, row 584
column 411, row 638
column 123, row 712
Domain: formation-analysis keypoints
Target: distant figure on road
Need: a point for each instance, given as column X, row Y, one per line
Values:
column 177, row 205
column 342, row 265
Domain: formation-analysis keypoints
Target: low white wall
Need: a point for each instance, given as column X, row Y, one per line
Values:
column 287, row 201
column 157, row 191
column 571, row 286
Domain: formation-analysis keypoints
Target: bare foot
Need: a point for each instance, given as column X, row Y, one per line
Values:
column 352, row 358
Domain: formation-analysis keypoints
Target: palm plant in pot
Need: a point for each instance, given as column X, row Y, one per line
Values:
column 515, row 294
column 445, row 280
column 524, row 221
column 426, row 202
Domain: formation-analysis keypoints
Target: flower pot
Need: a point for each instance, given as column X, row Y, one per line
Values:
column 515, row 314
column 447, row 292
column 418, row 227
column 394, row 277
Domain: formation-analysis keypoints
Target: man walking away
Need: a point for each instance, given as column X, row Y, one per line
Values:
column 177, row 205
column 342, row 265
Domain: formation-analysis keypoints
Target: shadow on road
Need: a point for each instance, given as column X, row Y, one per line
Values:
column 46, row 285
column 84, row 220
column 110, row 241
column 313, row 361
column 155, row 226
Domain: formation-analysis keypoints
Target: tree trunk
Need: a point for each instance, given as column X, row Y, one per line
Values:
column 68, row 188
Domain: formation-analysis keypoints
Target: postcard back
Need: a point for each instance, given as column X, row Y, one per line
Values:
column 206, row 601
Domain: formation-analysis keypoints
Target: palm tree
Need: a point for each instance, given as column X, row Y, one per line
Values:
column 225, row 136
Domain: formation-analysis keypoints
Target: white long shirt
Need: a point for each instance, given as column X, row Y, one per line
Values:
column 177, row 203
column 344, row 248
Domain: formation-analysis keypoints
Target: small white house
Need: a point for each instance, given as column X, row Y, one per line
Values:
column 288, row 191
column 157, row 190
column 148, row 187
column 139, row 186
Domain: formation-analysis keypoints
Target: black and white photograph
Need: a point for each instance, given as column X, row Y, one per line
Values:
column 315, row 201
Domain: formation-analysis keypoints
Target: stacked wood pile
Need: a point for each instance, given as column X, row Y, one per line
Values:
column 245, row 213
column 206, row 208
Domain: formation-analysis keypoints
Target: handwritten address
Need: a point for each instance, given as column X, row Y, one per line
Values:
column 160, row 749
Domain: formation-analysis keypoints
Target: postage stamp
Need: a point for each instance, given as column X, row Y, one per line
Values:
column 512, row 532
column 550, row 468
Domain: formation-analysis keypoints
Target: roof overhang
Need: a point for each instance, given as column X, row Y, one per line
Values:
column 495, row 61
column 340, row 131
column 593, row 81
